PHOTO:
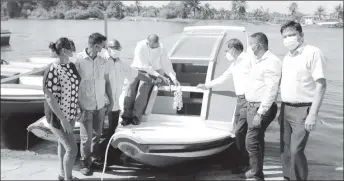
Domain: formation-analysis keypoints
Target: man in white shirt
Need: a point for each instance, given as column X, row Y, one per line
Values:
column 238, row 70
column 150, row 57
column 303, row 86
column 118, row 72
column 262, row 88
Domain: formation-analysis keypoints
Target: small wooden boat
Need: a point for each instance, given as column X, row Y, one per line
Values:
column 204, row 126
column 5, row 37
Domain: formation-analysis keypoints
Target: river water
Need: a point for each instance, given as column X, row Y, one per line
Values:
column 30, row 38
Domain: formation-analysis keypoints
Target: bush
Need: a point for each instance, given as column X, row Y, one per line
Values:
column 90, row 13
column 168, row 14
column 40, row 13
column 72, row 13
column 54, row 14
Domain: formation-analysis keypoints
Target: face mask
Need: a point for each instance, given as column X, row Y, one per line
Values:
column 101, row 52
column 229, row 57
column 291, row 42
column 114, row 53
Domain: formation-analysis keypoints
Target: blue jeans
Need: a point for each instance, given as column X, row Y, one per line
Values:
column 67, row 150
column 91, row 128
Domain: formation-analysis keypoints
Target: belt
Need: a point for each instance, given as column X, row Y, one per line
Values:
column 254, row 104
column 241, row 96
column 302, row 104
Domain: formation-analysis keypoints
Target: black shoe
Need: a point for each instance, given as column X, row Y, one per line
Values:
column 125, row 122
column 97, row 164
column 136, row 121
column 85, row 169
column 286, row 179
column 60, row 178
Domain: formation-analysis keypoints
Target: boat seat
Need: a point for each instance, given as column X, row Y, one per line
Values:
column 31, row 80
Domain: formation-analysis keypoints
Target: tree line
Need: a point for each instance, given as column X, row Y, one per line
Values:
column 192, row 9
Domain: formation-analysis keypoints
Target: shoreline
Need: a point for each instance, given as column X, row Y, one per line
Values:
column 183, row 21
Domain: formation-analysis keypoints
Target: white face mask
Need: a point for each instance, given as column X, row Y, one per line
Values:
column 291, row 42
column 229, row 57
column 114, row 53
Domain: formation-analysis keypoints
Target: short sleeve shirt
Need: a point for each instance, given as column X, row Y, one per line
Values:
column 62, row 80
column 300, row 70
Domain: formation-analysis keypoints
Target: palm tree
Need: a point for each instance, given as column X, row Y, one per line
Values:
column 338, row 10
column 138, row 7
column 195, row 6
column 257, row 13
column 209, row 14
column 239, row 8
column 320, row 11
column 293, row 8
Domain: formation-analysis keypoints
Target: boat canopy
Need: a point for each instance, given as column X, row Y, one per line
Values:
column 200, row 44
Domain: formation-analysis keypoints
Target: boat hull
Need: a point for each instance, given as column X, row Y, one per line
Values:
column 168, row 155
column 41, row 129
column 10, row 107
column 5, row 39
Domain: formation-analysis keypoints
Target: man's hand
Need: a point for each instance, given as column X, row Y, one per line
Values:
column 157, row 82
column 202, row 86
column 176, row 82
column 164, row 80
column 310, row 123
column 257, row 120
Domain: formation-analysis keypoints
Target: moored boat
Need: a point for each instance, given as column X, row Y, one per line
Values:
column 22, row 101
column 5, row 37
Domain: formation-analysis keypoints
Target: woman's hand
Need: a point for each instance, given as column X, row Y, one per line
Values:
column 66, row 126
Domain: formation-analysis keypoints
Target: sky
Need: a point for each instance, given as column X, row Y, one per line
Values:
column 305, row 7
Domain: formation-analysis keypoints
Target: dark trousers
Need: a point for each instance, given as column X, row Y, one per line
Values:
column 255, row 143
column 136, row 99
column 113, row 123
column 240, row 131
column 293, row 141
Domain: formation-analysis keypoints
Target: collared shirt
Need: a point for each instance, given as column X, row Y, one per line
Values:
column 93, row 79
column 151, row 60
column 263, row 81
column 119, row 72
column 239, row 70
column 300, row 70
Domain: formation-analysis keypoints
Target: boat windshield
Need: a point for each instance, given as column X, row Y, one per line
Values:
column 197, row 58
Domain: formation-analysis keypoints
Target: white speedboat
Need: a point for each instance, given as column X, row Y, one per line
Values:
column 204, row 126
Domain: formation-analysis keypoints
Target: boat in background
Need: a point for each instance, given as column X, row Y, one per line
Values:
column 5, row 37
column 22, row 99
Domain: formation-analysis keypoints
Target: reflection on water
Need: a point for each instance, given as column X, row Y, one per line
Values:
column 30, row 38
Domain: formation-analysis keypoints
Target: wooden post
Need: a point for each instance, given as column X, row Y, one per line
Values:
column 105, row 24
